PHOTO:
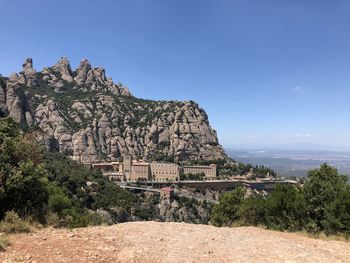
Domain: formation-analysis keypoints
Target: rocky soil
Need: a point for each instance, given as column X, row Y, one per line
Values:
column 171, row 242
column 90, row 118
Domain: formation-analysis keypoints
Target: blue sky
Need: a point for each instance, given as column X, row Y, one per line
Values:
column 272, row 72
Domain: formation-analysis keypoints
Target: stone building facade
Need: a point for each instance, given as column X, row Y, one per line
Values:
column 208, row 171
column 165, row 171
column 139, row 171
column 113, row 170
column 133, row 170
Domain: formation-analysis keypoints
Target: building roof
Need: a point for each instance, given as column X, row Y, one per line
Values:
column 141, row 164
column 167, row 189
column 199, row 166
column 101, row 164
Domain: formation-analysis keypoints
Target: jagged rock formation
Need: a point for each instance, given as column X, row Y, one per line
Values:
column 15, row 101
column 153, row 208
column 90, row 118
column 3, row 107
column 175, row 212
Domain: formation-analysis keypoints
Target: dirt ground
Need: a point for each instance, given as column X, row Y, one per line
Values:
column 170, row 242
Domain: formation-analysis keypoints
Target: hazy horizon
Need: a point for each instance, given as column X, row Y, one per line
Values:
column 289, row 147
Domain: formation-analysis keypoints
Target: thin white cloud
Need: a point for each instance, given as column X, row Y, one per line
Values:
column 296, row 135
column 303, row 135
column 296, row 88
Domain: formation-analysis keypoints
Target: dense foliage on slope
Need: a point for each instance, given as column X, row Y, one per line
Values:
column 322, row 204
column 50, row 186
column 52, row 189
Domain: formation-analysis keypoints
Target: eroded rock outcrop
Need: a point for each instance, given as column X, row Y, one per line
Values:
column 90, row 118
column 3, row 107
column 18, row 101
column 29, row 73
column 63, row 67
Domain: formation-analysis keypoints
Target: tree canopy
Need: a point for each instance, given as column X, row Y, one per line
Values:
column 323, row 204
column 36, row 183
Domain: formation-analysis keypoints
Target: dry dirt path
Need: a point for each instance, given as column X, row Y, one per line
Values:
column 171, row 242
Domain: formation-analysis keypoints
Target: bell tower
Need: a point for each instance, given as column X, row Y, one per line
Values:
column 127, row 165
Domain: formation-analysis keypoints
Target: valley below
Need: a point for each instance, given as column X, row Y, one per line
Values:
column 293, row 162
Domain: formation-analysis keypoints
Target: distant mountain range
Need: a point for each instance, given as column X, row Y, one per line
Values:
column 292, row 162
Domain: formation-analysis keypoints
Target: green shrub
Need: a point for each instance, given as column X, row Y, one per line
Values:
column 286, row 209
column 96, row 220
column 58, row 200
column 227, row 210
column 321, row 206
column 337, row 216
column 253, row 210
column 52, row 219
column 323, row 193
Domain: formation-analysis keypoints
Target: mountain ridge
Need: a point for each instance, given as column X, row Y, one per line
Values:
column 90, row 118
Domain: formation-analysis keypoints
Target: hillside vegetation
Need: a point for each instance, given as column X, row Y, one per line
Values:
column 51, row 189
column 49, row 186
column 322, row 204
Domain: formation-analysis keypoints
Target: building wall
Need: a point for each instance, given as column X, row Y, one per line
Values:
column 167, row 193
column 164, row 171
column 134, row 170
column 209, row 171
column 139, row 171
column 103, row 167
column 118, row 167
column 113, row 170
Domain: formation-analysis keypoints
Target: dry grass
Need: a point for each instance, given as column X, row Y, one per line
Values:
column 323, row 236
column 4, row 242
column 12, row 224
column 316, row 235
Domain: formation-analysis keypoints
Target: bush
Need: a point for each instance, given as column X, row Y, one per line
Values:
column 253, row 210
column 58, row 200
column 286, row 209
column 324, row 192
column 96, row 220
column 12, row 223
column 43, row 186
column 26, row 191
column 52, row 219
column 337, row 216
column 322, row 206
column 226, row 211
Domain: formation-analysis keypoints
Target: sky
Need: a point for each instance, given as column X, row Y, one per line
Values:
column 274, row 72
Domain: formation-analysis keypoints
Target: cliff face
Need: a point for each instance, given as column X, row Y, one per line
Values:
column 91, row 118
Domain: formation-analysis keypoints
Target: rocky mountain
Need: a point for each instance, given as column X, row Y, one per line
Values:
column 90, row 118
